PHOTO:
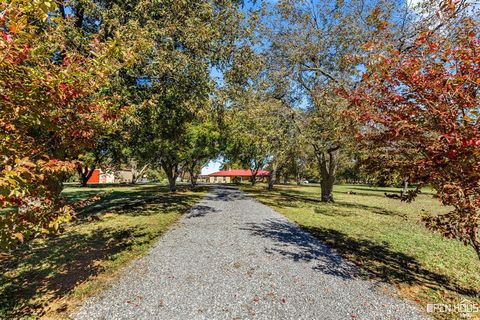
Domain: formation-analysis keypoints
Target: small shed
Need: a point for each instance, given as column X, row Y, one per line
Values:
column 98, row 176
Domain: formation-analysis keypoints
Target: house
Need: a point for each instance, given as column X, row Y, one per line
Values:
column 233, row 175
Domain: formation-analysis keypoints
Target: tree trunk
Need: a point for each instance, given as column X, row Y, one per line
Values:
column 272, row 179
column 80, row 15
column 172, row 182
column 474, row 240
column 193, row 181
column 172, row 173
column 327, row 190
column 136, row 175
column 193, row 177
column 327, row 162
column 405, row 187
column 61, row 7
column 85, row 174
column 253, row 178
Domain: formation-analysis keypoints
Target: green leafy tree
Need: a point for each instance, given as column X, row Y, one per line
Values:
column 173, row 87
column 318, row 46
column 247, row 140
column 202, row 144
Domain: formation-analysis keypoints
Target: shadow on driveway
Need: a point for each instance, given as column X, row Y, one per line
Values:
column 293, row 243
column 378, row 261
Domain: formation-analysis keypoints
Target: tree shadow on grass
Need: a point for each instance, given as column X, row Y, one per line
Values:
column 290, row 198
column 294, row 196
column 377, row 189
column 338, row 209
column 384, row 264
column 43, row 271
column 295, row 199
column 138, row 202
column 54, row 267
column 362, row 194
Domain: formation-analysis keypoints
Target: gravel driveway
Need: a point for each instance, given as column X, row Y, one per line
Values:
column 234, row 258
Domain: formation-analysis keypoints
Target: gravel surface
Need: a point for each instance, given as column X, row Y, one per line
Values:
column 234, row 258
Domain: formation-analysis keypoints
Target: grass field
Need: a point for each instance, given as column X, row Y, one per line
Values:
column 385, row 238
column 49, row 277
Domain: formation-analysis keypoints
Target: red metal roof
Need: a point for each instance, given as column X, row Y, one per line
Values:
column 239, row 173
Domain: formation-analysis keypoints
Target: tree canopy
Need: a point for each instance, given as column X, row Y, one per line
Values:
column 306, row 89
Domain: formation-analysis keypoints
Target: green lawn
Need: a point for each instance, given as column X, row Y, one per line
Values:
column 385, row 238
column 50, row 277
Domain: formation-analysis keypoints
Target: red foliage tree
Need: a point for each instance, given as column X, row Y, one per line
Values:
column 50, row 112
column 421, row 108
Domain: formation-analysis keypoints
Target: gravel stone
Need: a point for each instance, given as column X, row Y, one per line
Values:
column 232, row 257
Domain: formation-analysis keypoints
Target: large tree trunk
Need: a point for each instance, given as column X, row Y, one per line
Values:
column 85, row 174
column 171, row 170
column 327, row 190
column 172, row 183
column 193, row 181
column 327, row 162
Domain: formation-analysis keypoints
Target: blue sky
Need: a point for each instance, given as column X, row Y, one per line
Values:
column 212, row 166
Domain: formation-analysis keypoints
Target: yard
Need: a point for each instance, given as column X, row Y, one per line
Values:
column 51, row 276
column 385, row 238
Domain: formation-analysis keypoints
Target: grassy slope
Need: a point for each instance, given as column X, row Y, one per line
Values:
column 49, row 277
column 385, row 238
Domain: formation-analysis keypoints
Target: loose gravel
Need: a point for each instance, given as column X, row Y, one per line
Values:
column 232, row 257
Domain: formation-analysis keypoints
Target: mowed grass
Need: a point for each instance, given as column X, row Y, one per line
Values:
column 386, row 239
column 49, row 277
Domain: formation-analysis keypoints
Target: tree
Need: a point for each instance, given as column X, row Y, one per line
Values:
column 202, row 144
column 137, row 172
column 174, row 87
column 159, row 135
column 318, row 45
column 326, row 131
column 107, row 150
column 282, row 133
column 51, row 109
column 424, row 103
column 247, row 141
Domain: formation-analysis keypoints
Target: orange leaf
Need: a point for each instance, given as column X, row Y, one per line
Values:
column 19, row 236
